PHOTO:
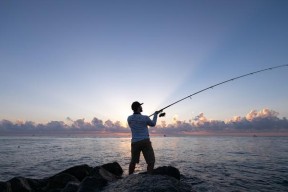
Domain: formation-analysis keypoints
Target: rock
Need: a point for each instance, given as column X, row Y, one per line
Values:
column 109, row 171
column 60, row 181
column 80, row 171
column 37, row 184
column 19, row 184
column 147, row 182
column 71, row 187
column 83, row 178
column 92, row 184
column 5, row 187
column 95, row 172
column 167, row 170
column 114, row 168
column 107, row 175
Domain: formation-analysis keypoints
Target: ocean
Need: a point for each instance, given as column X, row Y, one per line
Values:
column 208, row 163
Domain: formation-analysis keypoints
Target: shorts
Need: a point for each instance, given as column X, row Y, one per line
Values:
column 146, row 147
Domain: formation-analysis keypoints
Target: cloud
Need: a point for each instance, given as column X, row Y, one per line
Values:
column 265, row 120
column 98, row 124
column 264, row 113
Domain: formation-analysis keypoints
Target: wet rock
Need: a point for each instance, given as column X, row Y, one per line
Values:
column 92, row 184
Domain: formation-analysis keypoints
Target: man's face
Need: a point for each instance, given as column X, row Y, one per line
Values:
column 140, row 108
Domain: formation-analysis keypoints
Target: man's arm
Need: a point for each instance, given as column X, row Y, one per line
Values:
column 153, row 122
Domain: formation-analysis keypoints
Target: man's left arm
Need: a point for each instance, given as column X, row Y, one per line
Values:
column 153, row 122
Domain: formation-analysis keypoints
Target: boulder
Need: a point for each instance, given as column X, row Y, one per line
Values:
column 79, row 171
column 37, row 184
column 5, row 187
column 167, row 170
column 113, row 168
column 19, row 184
column 92, row 184
column 71, row 187
column 60, row 181
column 109, row 171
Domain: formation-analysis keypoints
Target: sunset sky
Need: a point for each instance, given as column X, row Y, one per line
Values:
column 68, row 60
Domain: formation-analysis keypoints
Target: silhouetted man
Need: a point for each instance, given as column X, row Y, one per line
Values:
column 140, row 142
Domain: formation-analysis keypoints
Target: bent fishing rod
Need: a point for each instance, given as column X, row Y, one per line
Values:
column 241, row 76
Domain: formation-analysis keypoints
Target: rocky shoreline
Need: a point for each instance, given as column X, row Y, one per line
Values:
column 106, row 178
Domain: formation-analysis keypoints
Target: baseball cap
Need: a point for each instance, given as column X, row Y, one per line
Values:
column 135, row 105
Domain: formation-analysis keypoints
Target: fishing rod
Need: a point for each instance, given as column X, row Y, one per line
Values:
column 241, row 76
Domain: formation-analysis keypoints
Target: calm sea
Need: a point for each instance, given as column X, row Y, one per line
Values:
column 208, row 163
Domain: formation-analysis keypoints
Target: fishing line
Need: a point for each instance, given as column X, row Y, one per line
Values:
column 223, row 82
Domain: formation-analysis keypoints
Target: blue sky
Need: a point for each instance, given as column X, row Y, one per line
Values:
column 85, row 59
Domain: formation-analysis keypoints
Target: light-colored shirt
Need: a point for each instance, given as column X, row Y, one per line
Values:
column 139, row 126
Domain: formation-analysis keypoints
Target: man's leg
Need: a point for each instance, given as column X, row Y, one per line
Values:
column 150, row 168
column 135, row 156
column 149, row 156
column 131, row 168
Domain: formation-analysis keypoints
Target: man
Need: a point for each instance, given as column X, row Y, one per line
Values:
column 140, row 142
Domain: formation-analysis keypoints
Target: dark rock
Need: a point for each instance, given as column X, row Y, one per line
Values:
column 83, row 178
column 5, row 187
column 110, row 171
column 95, row 172
column 19, row 184
column 71, row 187
column 54, row 190
column 60, row 181
column 114, row 168
column 80, row 171
column 37, row 184
column 167, row 170
column 92, row 184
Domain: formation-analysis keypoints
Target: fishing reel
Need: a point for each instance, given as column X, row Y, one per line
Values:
column 162, row 114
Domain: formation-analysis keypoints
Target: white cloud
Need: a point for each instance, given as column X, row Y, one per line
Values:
column 264, row 113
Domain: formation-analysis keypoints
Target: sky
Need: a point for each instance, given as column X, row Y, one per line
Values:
column 84, row 60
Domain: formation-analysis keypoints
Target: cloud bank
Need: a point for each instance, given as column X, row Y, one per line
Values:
column 265, row 120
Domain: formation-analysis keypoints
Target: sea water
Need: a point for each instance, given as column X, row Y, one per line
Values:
column 207, row 163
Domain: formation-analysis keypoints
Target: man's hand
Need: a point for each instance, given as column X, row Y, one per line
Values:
column 157, row 112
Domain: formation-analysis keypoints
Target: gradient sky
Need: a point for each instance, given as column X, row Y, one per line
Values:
column 85, row 59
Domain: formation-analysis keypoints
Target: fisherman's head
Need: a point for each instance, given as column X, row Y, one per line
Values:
column 136, row 107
